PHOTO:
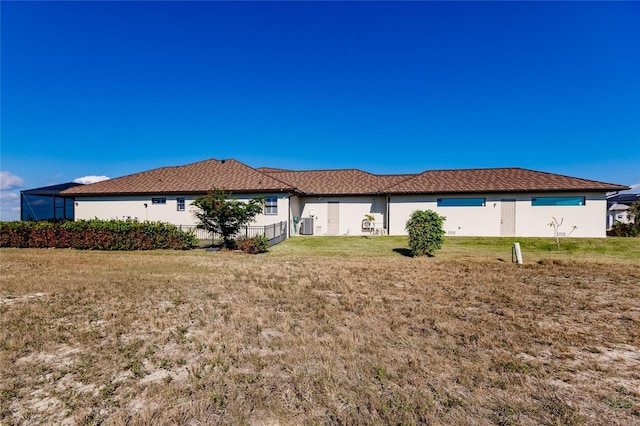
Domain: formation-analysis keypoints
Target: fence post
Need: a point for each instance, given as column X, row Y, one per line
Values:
column 516, row 253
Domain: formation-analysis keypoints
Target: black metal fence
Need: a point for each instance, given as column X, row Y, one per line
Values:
column 275, row 233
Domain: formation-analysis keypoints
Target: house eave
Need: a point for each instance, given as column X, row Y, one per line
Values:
column 503, row 191
column 184, row 192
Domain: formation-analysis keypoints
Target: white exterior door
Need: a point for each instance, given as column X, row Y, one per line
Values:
column 508, row 218
column 333, row 218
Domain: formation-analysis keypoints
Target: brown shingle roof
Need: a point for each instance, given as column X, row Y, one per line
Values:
column 234, row 176
column 336, row 182
column 495, row 180
column 196, row 178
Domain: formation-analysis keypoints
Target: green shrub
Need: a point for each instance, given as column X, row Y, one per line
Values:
column 253, row 245
column 620, row 229
column 96, row 235
column 425, row 232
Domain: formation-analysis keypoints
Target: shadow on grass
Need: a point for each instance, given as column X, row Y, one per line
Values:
column 403, row 251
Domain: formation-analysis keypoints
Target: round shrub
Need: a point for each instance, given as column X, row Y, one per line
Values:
column 425, row 232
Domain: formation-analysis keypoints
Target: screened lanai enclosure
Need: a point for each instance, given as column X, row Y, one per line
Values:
column 46, row 203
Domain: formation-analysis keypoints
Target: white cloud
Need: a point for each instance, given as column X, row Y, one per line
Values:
column 9, row 206
column 10, row 181
column 8, row 199
column 635, row 189
column 91, row 179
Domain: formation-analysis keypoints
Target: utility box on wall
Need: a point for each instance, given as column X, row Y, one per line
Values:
column 306, row 226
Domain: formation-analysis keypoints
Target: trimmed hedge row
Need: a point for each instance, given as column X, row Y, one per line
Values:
column 96, row 234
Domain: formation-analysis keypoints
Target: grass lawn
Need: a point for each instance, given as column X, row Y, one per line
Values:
column 345, row 330
column 615, row 249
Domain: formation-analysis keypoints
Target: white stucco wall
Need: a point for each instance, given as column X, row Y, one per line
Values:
column 283, row 208
column 352, row 212
column 530, row 221
column 130, row 207
column 590, row 218
column 133, row 207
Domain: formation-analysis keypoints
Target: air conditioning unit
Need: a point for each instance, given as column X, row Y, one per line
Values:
column 306, row 226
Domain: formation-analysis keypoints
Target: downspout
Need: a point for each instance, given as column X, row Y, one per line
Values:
column 387, row 215
column 289, row 215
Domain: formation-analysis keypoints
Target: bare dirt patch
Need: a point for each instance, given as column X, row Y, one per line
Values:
column 7, row 300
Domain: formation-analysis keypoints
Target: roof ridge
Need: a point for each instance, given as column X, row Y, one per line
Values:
column 409, row 177
column 569, row 177
column 289, row 184
column 471, row 168
column 322, row 170
column 156, row 169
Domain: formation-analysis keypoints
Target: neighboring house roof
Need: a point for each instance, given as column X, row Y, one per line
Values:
column 618, row 207
column 231, row 175
column 196, row 178
column 495, row 180
column 627, row 199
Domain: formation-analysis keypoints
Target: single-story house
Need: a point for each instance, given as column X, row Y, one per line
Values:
column 475, row 202
column 618, row 206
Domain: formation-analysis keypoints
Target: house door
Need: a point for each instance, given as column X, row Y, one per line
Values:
column 508, row 218
column 333, row 218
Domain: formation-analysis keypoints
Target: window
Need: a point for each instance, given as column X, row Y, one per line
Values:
column 180, row 204
column 271, row 205
column 461, row 202
column 557, row 201
column 158, row 201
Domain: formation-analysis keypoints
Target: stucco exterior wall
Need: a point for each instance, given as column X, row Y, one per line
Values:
column 352, row 211
column 530, row 221
column 283, row 209
column 590, row 219
column 133, row 207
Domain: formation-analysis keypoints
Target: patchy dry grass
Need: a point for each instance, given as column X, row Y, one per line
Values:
column 202, row 338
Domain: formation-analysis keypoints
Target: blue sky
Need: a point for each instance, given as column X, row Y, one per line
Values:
column 113, row 88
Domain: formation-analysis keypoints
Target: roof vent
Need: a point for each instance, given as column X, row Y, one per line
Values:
column 222, row 161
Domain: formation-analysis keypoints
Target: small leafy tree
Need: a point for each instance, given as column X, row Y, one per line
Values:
column 220, row 214
column 634, row 215
column 425, row 232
